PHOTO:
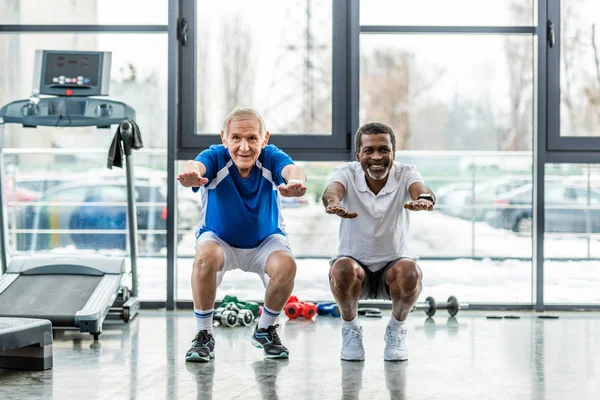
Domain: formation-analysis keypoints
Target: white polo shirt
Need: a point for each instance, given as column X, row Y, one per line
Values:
column 378, row 235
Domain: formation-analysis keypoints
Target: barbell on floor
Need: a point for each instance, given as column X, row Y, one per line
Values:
column 430, row 306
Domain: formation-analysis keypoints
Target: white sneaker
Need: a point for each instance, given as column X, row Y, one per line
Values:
column 352, row 345
column 395, row 345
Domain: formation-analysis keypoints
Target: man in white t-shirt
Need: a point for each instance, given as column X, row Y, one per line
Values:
column 373, row 195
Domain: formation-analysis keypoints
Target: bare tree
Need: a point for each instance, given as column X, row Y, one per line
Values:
column 519, row 54
column 580, row 76
column 571, row 52
column 390, row 86
column 384, row 91
column 237, row 69
column 299, row 97
column 592, row 92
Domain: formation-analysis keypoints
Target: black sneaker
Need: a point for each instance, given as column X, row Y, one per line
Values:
column 203, row 348
column 269, row 341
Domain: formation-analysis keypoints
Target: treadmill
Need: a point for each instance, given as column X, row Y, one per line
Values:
column 72, row 291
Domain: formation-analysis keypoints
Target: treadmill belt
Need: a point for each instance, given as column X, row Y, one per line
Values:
column 53, row 297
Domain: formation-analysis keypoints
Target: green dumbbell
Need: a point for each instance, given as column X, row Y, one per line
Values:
column 230, row 299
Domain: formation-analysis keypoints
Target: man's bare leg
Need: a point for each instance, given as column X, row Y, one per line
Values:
column 404, row 280
column 346, row 280
column 346, row 285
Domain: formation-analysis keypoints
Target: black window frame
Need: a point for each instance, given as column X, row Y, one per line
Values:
column 561, row 149
column 308, row 147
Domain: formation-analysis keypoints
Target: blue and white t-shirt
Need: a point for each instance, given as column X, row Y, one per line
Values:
column 242, row 212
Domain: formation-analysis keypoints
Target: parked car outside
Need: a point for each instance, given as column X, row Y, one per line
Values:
column 188, row 203
column 461, row 202
column 567, row 210
column 83, row 210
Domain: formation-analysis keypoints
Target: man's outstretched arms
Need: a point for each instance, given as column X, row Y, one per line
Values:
column 193, row 174
column 422, row 198
column 295, row 177
column 332, row 200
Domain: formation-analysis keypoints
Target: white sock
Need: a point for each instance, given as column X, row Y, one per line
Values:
column 394, row 324
column 267, row 318
column 354, row 324
column 204, row 320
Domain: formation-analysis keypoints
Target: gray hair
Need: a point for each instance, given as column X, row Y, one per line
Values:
column 244, row 113
column 374, row 128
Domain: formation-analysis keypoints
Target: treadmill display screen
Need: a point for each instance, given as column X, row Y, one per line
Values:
column 70, row 69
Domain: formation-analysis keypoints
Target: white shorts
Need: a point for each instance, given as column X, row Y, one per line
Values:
column 248, row 260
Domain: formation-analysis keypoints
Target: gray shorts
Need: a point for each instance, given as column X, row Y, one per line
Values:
column 374, row 286
column 248, row 260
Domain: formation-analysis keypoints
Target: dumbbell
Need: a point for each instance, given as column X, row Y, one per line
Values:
column 430, row 306
column 226, row 317
column 242, row 305
column 328, row 308
column 371, row 312
column 300, row 308
column 245, row 317
column 253, row 307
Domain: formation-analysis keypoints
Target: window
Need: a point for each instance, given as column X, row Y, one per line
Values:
column 574, row 76
column 572, row 234
column 449, row 92
column 277, row 57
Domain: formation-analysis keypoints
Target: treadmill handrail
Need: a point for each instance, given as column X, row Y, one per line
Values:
column 55, row 112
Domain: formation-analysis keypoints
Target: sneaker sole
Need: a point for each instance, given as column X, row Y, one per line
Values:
column 257, row 344
column 195, row 357
column 405, row 358
column 353, row 359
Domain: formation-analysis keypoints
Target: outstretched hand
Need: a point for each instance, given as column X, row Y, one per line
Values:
column 294, row 188
column 418, row 205
column 340, row 211
column 191, row 179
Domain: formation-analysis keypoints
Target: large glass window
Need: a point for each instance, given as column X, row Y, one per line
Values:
column 449, row 92
column 572, row 233
column 461, row 107
column 274, row 56
column 580, row 68
column 443, row 12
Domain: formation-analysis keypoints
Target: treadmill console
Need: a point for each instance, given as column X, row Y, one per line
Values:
column 72, row 73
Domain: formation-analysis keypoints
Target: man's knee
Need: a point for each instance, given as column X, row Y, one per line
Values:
column 281, row 266
column 405, row 276
column 209, row 257
column 345, row 273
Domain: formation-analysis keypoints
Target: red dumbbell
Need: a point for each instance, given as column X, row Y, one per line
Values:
column 309, row 310
column 300, row 308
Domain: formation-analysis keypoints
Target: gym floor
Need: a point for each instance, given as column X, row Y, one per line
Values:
column 468, row 357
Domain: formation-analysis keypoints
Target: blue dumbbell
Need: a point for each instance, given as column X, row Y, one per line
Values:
column 328, row 308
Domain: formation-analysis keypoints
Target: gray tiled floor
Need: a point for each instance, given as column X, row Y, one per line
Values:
column 466, row 358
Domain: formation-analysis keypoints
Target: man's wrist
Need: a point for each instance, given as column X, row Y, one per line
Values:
column 427, row 196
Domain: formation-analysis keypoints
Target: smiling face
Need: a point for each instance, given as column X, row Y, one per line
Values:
column 244, row 141
column 376, row 156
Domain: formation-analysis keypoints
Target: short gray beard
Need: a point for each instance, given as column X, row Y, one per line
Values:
column 377, row 177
